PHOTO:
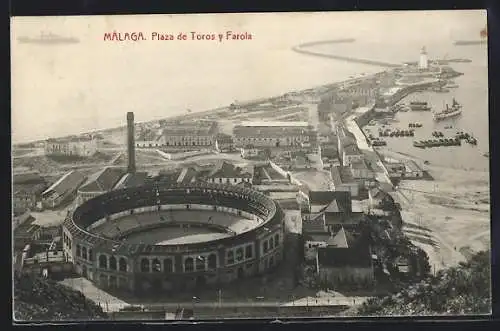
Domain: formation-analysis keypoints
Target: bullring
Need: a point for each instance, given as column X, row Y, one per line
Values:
column 169, row 237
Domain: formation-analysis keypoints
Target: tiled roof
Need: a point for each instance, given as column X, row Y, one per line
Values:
column 318, row 237
column 289, row 204
column 336, row 257
column 316, row 223
column 202, row 128
column 68, row 182
column 186, row 175
column 332, row 201
column 228, row 170
column 341, row 175
column 103, row 180
column 351, row 149
column 339, row 240
column 360, row 165
column 332, row 207
column 136, row 179
column 412, row 166
column 69, row 139
column 271, row 132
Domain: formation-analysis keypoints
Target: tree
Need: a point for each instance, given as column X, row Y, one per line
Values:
column 464, row 289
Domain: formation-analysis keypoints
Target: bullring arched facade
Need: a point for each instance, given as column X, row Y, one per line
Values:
column 111, row 262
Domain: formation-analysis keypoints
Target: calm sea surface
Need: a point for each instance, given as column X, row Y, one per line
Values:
column 98, row 94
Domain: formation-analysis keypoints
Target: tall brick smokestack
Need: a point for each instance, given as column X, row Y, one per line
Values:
column 131, row 142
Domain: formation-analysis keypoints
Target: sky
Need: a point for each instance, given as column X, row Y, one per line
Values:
column 72, row 88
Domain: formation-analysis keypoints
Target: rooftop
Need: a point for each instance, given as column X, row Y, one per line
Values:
column 275, row 124
column 289, row 204
column 346, row 249
column 131, row 180
column 339, row 257
column 325, row 197
column 186, row 175
column 351, row 148
column 341, row 175
column 269, row 131
column 228, row 170
column 69, row 139
column 359, row 165
column 412, row 166
column 68, row 182
column 201, row 128
column 103, row 180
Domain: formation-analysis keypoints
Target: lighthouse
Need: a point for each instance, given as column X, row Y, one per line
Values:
column 423, row 63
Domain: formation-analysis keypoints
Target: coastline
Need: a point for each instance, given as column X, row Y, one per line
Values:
column 194, row 114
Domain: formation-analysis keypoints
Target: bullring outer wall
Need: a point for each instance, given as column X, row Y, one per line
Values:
column 112, row 263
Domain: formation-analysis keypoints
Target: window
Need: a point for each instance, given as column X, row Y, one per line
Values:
column 78, row 251
column 91, row 256
column 122, row 264
column 112, row 263
column 84, row 252
column 156, row 265
column 248, row 252
column 230, row 257
column 144, row 265
column 103, row 261
column 235, row 180
column 113, row 282
column 168, row 266
column 188, row 264
column 212, row 261
column 239, row 254
column 200, row 263
column 276, row 240
column 266, row 248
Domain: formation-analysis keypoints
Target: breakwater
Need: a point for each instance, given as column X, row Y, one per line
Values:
column 300, row 49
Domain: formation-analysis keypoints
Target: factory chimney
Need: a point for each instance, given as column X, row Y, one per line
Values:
column 131, row 142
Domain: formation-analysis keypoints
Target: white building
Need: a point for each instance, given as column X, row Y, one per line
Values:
column 423, row 63
column 227, row 173
column 272, row 134
column 80, row 146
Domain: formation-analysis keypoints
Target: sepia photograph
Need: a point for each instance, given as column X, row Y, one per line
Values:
column 250, row 166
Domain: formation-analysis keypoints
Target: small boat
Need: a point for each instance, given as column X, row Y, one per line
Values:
column 426, row 162
column 419, row 144
column 376, row 143
column 448, row 127
column 487, row 154
column 471, row 140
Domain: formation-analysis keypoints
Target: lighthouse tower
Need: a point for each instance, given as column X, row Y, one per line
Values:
column 423, row 63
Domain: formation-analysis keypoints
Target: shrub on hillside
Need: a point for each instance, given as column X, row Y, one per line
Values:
column 461, row 290
column 37, row 299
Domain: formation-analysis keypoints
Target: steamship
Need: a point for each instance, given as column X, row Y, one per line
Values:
column 48, row 38
column 454, row 110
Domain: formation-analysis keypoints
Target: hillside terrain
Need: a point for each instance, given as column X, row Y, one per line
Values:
column 37, row 299
column 461, row 290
